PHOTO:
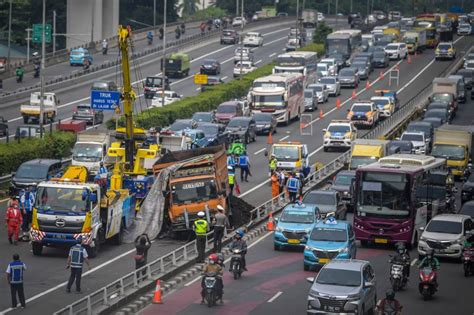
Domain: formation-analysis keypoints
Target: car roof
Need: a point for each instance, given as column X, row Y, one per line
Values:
column 346, row 264
column 340, row 225
column 420, row 123
column 346, row 172
column 323, row 191
column 451, row 217
column 302, row 207
column 46, row 162
column 229, row 103
column 244, row 118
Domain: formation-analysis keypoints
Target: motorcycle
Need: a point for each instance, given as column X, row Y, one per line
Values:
column 183, row 28
column 427, row 286
column 236, row 263
column 468, row 261
column 211, row 287
column 398, row 277
column 104, row 50
column 36, row 73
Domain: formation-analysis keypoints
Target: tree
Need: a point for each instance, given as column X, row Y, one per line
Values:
column 321, row 32
column 188, row 7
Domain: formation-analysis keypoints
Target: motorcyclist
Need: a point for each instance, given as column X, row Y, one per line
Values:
column 469, row 242
column 239, row 243
column 430, row 261
column 19, row 74
column 389, row 305
column 105, row 46
column 403, row 256
column 177, row 32
column 183, row 28
column 212, row 267
column 149, row 37
column 161, row 32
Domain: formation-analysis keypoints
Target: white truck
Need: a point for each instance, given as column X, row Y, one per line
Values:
column 32, row 110
column 310, row 18
column 90, row 149
column 415, row 40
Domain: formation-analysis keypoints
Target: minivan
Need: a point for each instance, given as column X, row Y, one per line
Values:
column 33, row 172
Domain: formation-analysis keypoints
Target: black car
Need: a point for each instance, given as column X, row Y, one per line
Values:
column 442, row 114
column 180, row 125
column 340, row 60
column 436, row 122
column 343, row 183
column 467, row 191
column 204, row 117
column 468, row 209
column 400, row 146
column 104, row 86
column 380, row 59
column 243, row 127
column 85, row 112
column 210, row 66
column 214, row 133
column 468, row 76
column 265, row 123
column 33, row 172
column 229, row 37
column 3, row 126
column 441, row 105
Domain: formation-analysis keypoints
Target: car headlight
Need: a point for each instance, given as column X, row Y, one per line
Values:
column 344, row 250
column 308, row 231
column 422, row 238
column 279, row 229
column 308, row 248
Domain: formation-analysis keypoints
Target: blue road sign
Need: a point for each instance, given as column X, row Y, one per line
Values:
column 105, row 100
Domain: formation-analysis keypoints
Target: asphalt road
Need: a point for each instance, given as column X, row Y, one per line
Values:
column 119, row 260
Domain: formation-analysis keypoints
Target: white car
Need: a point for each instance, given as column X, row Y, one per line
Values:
column 320, row 17
column 247, row 66
column 322, row 70
column 417, row 138
column 247, row 54
column 238, row 21
column 170, row 97
column 339, row 134
column 321, row 91
column 396, row 51
column 253, row 39
column 332, row 65
column 445, row 234
column 469, row 64
column 333, row 85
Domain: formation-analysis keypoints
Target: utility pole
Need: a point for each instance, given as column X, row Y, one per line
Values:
column 337, row 13
column 368, row 11
column 163, row 70
column 329, row 6
column 154, row 16
column 241, row 39
column 28, row 38
column 351, row 7
column 9, row 34
column 297, row 17
column 92, row 22
column 54, row 32
column 43, row 52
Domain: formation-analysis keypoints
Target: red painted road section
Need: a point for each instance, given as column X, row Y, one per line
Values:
column 251, row 296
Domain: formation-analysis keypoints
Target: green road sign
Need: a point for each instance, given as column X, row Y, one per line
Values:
column 38, row 33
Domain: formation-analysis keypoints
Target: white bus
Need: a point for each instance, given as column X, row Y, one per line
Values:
column 303, row 62
column 356, row 37
column 280, row 94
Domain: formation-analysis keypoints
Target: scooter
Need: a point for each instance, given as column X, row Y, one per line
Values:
column 236, row 263
column 104, row 50
column 211, row 287
column 427, row 286
column 36, row 73
column 468, row 261
column 397, row 275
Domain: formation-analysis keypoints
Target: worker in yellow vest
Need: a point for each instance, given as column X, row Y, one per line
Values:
column 201, row 227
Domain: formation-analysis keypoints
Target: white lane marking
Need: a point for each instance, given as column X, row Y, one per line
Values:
column 284, row 138
column 259, row 151
column 276, row 40
column 228, row 259
column 258, row 62
column 271, row 55
column 414, row 261
column 275, row 297
column 224, row 78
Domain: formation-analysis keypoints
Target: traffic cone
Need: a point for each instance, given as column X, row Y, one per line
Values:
column 270, row 137
column 354, row 95
column 157, row 296
column 270, row 226
column 382, row 75
column 338, row 103
column 409, row 59
column 321, row 114
column 415, row 54
column 367, row 84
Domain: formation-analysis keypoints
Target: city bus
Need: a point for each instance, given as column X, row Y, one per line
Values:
column 302, row 62
column 387, row 209
column 428, row 22
column 280, row 94
column 339, row 44
column 356, row 36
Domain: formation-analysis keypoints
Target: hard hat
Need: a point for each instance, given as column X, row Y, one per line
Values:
column 201, row 214
column 220, row 208
column 213, row 258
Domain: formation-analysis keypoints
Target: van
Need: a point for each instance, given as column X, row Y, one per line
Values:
column 461, row 88
column 104, row 86
column 177, row 65
column 33, row 172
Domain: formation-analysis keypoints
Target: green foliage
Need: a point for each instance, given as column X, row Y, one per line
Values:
column 188, row 7
column 142, row 11
column 210, row 12
column 321, row 32
column 319, row 48
column 57, row 145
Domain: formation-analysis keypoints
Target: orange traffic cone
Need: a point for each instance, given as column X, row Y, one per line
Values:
column 270, row 137
column 270, row 226
column 367, row 84
column 338, row 103
column 354, row 95
column 409, row 59
column 382, row 75
column 321, row 114
column 157, row 296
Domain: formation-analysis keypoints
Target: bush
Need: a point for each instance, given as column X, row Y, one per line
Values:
column 56, row 146
column 321, row 32
column 206, row 14
column 319, row 48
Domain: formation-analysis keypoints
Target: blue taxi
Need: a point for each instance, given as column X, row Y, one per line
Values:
column 328, row 240
column 294, row 225
column 77, row 56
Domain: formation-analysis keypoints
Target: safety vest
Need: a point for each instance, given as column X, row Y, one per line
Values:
column 231, row 178
column 200, row 227
column 292, row 185
column 16, row 271
column 103, row 170
column 273, row 164
column 27, row 200
column 77, row 256
column 243, row 160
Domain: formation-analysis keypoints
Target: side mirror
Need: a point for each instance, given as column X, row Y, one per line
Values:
column 348, row 111
column 368, row 284
column 310, row 280
column 325, row 130
column 422, row 228
column 276, row 219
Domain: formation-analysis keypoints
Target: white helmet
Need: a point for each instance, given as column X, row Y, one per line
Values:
column 219, row 207
column 201, row 214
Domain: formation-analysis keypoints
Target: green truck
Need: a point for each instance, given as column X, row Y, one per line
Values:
column 177, row 65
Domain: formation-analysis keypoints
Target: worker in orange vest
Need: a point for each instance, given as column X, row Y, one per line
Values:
column 275, row 184
column 13, row 220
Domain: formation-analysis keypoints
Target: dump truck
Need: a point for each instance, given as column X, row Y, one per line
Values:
column 31, row 111
column 90, row 149
column 69, row 207
column 310, row 18
column 367, row 151
column 454, row 143
column 195, row 180
column 415, row 40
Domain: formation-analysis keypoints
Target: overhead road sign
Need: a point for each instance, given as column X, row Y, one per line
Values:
column 105, row 100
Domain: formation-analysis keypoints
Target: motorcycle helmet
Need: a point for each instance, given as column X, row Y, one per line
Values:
column 401, row 248
column 201, row 214
column 390, row 295
column 220, row 257
column 79, row 240
column 212, row 258
column 239, row 233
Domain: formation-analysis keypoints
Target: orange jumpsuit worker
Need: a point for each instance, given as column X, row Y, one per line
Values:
column 13, row 220
column 275, row 185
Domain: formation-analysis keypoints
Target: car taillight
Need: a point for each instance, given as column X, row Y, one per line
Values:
column 147, row 88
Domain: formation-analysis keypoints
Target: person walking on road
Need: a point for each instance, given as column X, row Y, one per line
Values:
column 231, row 179
column 272, row 164
column 244, row 165
column 275, row 184
column 27, row 200
column 15, row 271
column 201, row 227
column 75, row 261
column 232, row 161
column 13, row 221
column 142, row 245
column 293, row 186
column 220, row 223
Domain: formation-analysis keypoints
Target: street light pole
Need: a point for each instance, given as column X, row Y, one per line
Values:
column 43, row 52
column 54, row 32
column 92, row 22
column 154, row 16
column 163, row 70
column 337, row 14
column 28, row 38
column 351, row 7
column 9, row 34
column 241, row 39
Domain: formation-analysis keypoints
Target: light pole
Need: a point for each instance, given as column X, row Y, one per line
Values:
column 351, row 7
column 154, row 15
column 92, row 23
column 163, row 70
column 28, row 38
column 337, row 14
column 9, row 34
column 241, row 39
column 54, row 32
column 43, row 52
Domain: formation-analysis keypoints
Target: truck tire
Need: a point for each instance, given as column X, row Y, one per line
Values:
column 25, row 119
column 37, row 248
column 93, row 250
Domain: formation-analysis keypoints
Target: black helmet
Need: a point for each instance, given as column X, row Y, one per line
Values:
column 401, row 248
column 390, row 295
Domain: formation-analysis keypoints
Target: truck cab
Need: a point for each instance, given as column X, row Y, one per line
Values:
column 291, row 156
column 365, row 151
column 177, row 65
column 31, row 111
column 90, row 150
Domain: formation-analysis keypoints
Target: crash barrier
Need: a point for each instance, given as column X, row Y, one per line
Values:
column 110, row 295
column 180, row 43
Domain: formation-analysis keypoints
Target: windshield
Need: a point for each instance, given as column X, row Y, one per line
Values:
column 228, row 109
column 317, row 88
column 448, row 227
column 344, row 180
column 358, row 161
column 379, row 195
column 328, row 235
column 286, row 153
column 179, row 125
column 269, row 100
column 297, row 216
column 33, row 171
column 328, row 80
column 391, row 47
column 442, row 97
column 379, row 54
column 380, row 102
column 336, row 45
column 435, row 113
column 290, row 61
column 238, row 123
column 245, row 65
column 173, row 64
column 339, row 129
column 209, row 62
column 87, row 152
column 449, row 152
column 425, row 129
column 61, row 199
column 346, row 73
column 412, row 137
column 77, row 53
column 209, row 129
column 444, row 46
column 359, row 65
column 153, row 82
column 202, row 117
column 308, row 94
column 340, row 277
column 257, row 83
column 100, row 86
column 361, row 108
column 189, row 192
column 84, row 108
column 262, row 117
column 320, row 198
column 322, row 68
column 227, row 33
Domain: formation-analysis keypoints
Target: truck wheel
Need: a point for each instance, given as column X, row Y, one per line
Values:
column 25, row 119
column 37, row 248
column 325, row 149
column 93, row 250
column 118, row 239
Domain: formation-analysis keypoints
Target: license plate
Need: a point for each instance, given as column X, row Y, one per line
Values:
column 293, row 241
column 381, row 241
column 323, row 260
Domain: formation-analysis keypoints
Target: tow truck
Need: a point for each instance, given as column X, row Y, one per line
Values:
column 291, row 156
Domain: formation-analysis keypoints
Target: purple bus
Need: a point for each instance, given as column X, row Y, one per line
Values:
column 387, row 209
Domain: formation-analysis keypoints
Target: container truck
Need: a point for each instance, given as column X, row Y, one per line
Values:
column 310, row 18
column 415, row 40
